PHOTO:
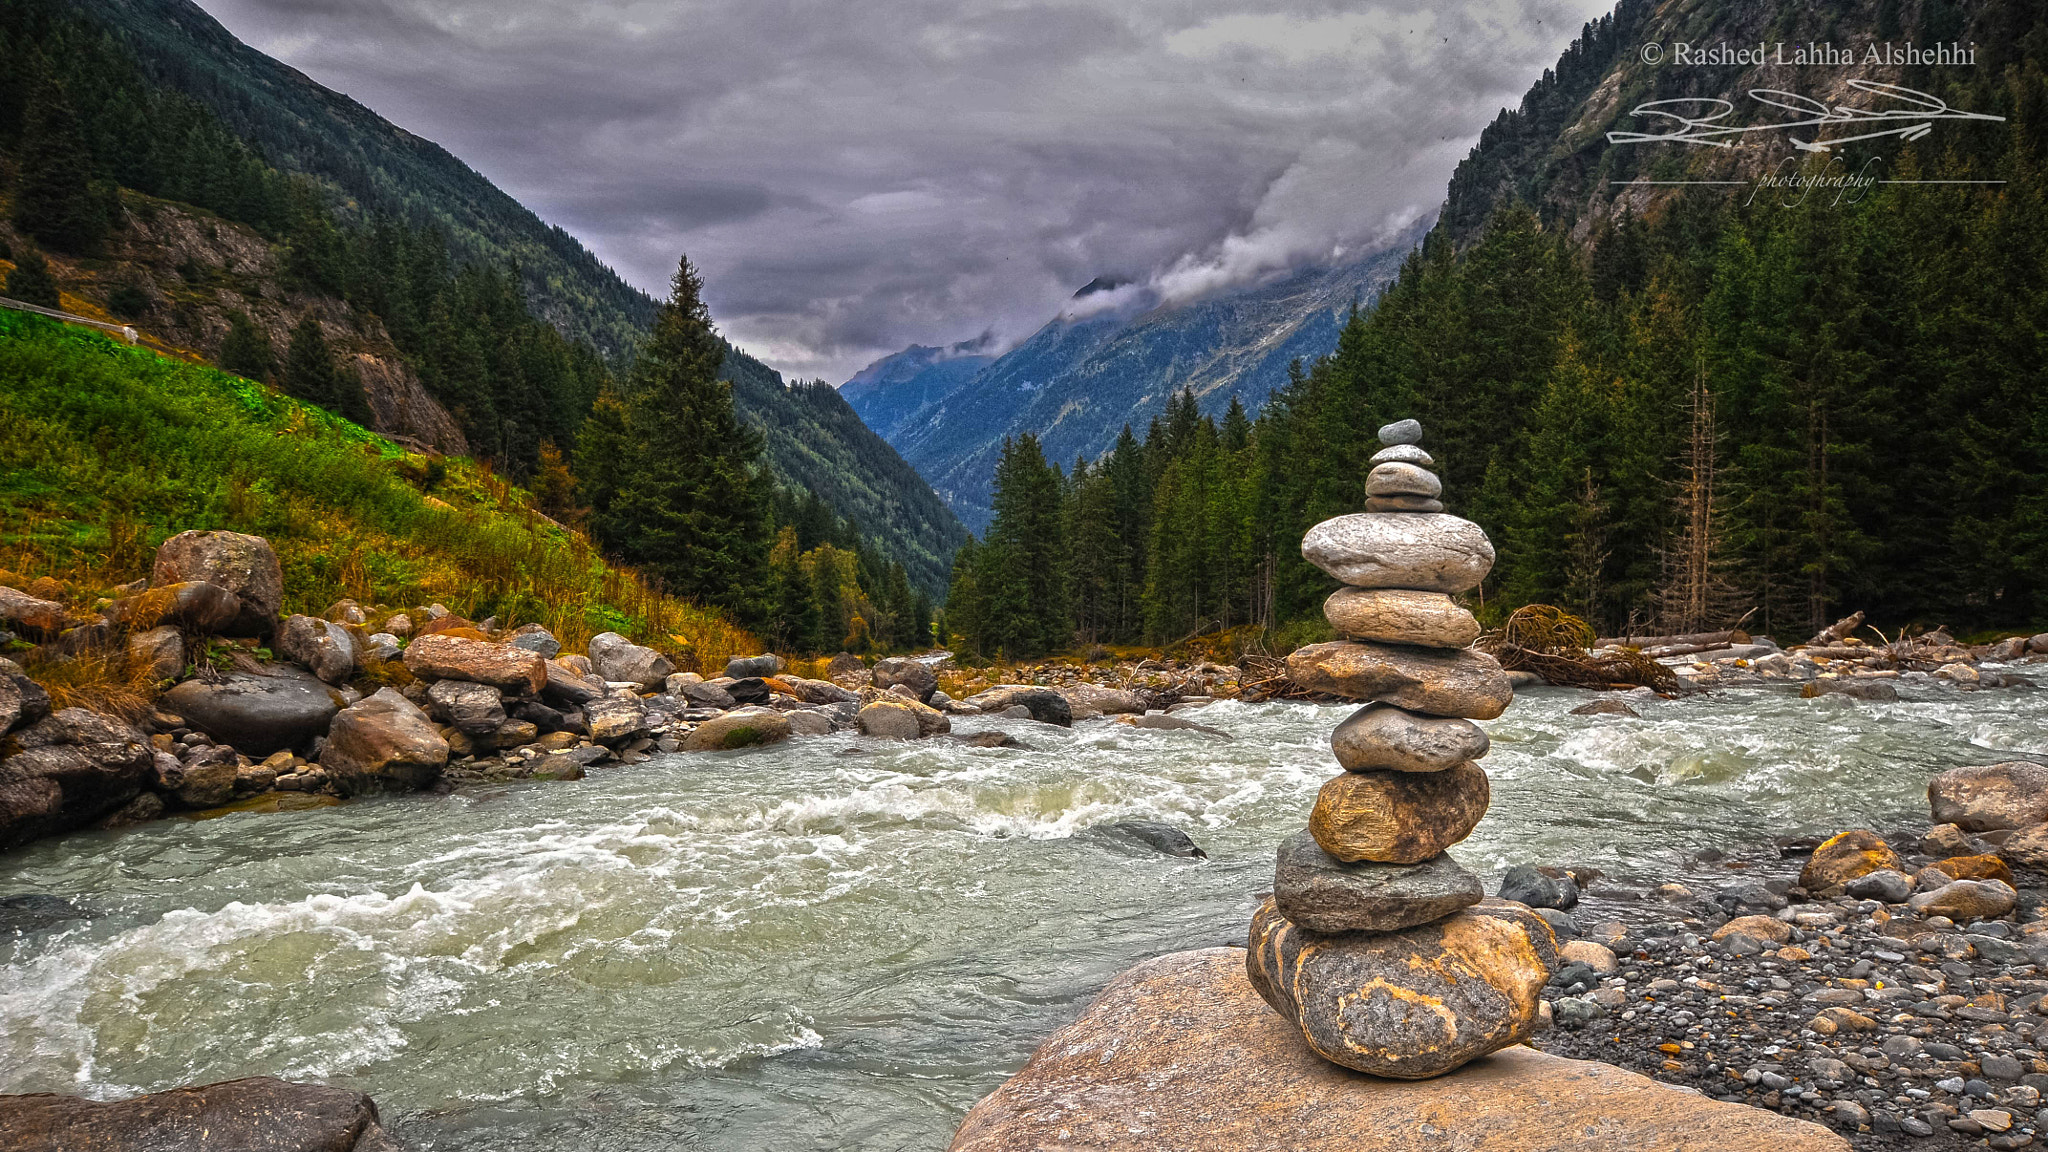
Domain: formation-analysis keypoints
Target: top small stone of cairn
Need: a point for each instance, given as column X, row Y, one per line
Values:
column 1401, row 432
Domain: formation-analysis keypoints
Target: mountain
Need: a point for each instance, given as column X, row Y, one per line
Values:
column 889, row 391
column 1078, row 380
column 369, row 169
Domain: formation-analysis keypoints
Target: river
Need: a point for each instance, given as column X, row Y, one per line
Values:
column 833, row 943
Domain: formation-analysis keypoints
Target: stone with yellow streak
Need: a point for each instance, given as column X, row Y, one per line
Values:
column 1178, row 1055
column 1413, row 1004
column 1398, row 817
column 1842, row 858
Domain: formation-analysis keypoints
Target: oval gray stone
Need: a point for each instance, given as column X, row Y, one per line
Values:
column 1381, row 736
column 1401, row 432
column 1398, row 479
column 1403, row 454
column 1430, row 552
column 1324, row 894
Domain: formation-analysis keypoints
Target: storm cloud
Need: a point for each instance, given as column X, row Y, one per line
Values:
column 854, row 178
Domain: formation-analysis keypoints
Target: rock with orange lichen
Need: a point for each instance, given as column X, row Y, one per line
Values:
column 1411, row 1004
column 1975, row 868
column 1179, row 1055
column 1842, row 858
column 1398, row 817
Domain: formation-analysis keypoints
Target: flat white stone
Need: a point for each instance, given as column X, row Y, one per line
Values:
column 1426, row 551
column 1403, row 454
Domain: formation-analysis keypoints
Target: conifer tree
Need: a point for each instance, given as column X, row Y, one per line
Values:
column 246, row 350
column 689, row 504
column 31, row 281
column 55, row 199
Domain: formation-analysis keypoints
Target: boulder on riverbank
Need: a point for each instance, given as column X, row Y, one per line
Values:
column 259, row 1114
column 1045, row 705
column 67, row 769
column 244, row 565
column 385, row 743
column 281, row 708
column 1985, row 797
column 1180, row 1053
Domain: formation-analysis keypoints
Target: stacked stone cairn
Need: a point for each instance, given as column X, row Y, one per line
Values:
column 1376, row 943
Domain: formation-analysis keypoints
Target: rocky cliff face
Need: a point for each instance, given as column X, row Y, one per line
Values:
column 193, row 270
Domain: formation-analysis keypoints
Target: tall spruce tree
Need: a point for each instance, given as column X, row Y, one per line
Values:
column 31, row 282
column 689, row 502
column 246, row 350
column 55, row 197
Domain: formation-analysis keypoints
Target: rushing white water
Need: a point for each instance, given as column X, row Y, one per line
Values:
column 833, row 943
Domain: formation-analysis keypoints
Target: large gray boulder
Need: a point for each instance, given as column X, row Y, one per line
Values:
column 474, row 709
column 321, row 647
column 244, row 565
column 31, row 616
column 254, row 1115
column 383, row 743
column 901, row 718
column 620, row 661
column 741, row 667
column 907, row 673
column 22, row 700
column 740, row 728
column 614, row 718
column 568, row 686
column 281, row 709
column 1045, row 705
column 66, row 770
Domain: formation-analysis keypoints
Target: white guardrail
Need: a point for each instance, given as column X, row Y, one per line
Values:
column 121, row 330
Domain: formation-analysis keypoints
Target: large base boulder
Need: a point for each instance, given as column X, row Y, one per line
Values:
column 1179, row 1055
column 258, row 714
column 383, row 743
column 1410, row 1004
column 255, row 1115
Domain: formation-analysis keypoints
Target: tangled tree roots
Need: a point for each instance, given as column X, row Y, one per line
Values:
column 1554, row 644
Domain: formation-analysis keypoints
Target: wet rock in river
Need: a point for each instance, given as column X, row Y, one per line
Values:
column 1981, row 797
column 255, row 1115
column 1539, row 887
column 901, row 718
column 36, row 912
column 1158, row 835
column 1041, row 704
column 1166, row 723
column 1607, row 706
column 1411, row 1004
column 1383, row 736
column 740, row 728
column 1398, row 817
column 1324, row 894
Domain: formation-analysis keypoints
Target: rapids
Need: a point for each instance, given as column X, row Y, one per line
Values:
column 831, row 943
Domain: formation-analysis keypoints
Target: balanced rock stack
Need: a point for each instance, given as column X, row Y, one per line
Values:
column 1375, row 941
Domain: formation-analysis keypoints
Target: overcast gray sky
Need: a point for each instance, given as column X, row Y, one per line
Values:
column 856, row 177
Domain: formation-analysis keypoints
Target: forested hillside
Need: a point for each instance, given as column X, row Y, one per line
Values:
column 440, row 302
column 1717, row 408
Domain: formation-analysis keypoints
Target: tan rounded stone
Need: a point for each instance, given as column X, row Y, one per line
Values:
column 1400, row 616
column 1398, row 817
column 1383, row 736
column 1412, row 1004
column 1399, row 478
column 1464, row 683
column 1842, row 858
column 1967, row 900
column 2027, row 848
column 501, row 666
column 1756, row 927
column 1178, row 1054
column 1983, row 797
column 1975, row 868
